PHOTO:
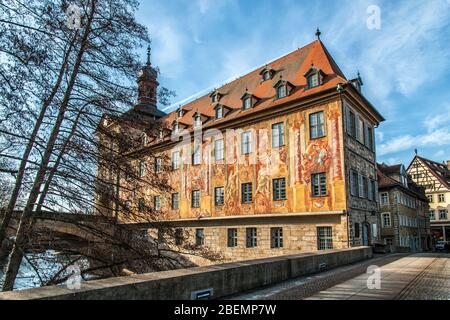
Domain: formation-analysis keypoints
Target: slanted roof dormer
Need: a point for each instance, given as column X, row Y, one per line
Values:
column 180, row 113
column 314, row 77
column 220, row 111
column 248, row 100
column 215, row 96
column 283, row 88
column 199, row 119
column 266, row 74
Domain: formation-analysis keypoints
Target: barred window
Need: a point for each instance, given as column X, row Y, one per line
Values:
column 276, row 238
column 219, row 196
column 176, row 160
column 247, row 196
column 251, row 237
column 279, row 189
column 175, row 200
column 232, row 237
column 324, row 238
column 319, row 184
column 199, row 237
column 277, row 135
column 316, row 125
column 386, row 219
column 157, row 203
column 158, row 165
column 141, row 168
column 196, row 199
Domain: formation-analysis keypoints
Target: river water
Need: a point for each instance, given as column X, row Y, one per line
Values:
column 39, row 268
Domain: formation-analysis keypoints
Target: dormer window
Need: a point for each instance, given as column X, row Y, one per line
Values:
column 266, row 74
column 281, row 92
column 197, row 120
column 313, row 80
column 247, row 103
column 214, row 98
column 180, row 113
column 314, row 77
column 161, row 134
column 219, row 112
column 175, row 127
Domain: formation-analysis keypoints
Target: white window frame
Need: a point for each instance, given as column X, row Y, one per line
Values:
column 383, row 220
column 381, row 198
column 219, row 149
column 246, row 142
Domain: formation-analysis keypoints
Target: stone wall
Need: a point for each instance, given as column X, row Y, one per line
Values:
column 223, row 280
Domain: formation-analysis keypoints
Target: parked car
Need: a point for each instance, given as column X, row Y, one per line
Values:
column 442, row 245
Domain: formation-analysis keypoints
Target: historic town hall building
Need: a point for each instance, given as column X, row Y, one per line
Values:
column 278, row 161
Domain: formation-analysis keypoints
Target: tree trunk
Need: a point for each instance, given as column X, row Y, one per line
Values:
column 25, row 224
column 23, row 162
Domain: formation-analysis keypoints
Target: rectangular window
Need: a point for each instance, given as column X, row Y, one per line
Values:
column 141, row 205
column 277, row 135
column 386, row 220
column 178, row 236
column 319, row 184
column 432, row 215
column 219, row 112
column 441, row 197
column 324, row 238
column 370, row 143
column 158, row 165
column 443, row 214
column 279, row 189
column 354, row 183
column 232, row 237
column 251, row 238
column 384, row 198
column 276, row 238
column 365, row 187
column 247, row 195
column 219, row 196
column 246, row 142
column 430, row 198
column 199, row 237
column 196, row 155
column 361, row 188
column 175, row 200
column 157, row 203
column 352, row 124
column 196, row 199
column 176, row 160
column 218, row 150
column 316, row 125
column 357, row 231
column 141, row 168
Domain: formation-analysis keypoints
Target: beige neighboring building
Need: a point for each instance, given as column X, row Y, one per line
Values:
column 435, row 178
column 291, row 166
column 405, row 225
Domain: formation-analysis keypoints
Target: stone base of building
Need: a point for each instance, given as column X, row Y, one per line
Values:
column 299, row 233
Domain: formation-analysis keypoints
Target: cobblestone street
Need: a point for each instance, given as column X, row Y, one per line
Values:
column 423, row 276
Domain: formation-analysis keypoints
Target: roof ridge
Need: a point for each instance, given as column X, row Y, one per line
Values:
column 217, row 87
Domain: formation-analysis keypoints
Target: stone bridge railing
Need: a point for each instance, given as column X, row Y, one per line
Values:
column 211, row 282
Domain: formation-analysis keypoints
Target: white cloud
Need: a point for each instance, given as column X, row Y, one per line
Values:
column 433, row 122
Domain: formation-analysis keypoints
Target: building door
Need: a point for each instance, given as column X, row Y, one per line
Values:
column 365, row 234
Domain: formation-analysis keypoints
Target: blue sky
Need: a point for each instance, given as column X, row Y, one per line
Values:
column 405, row 65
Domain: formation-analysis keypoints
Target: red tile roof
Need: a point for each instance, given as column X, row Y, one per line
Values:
column 440, row 170
column 291, row 68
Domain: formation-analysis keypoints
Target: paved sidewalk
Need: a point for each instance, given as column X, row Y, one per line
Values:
column 423, row 276
column 300, row 288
